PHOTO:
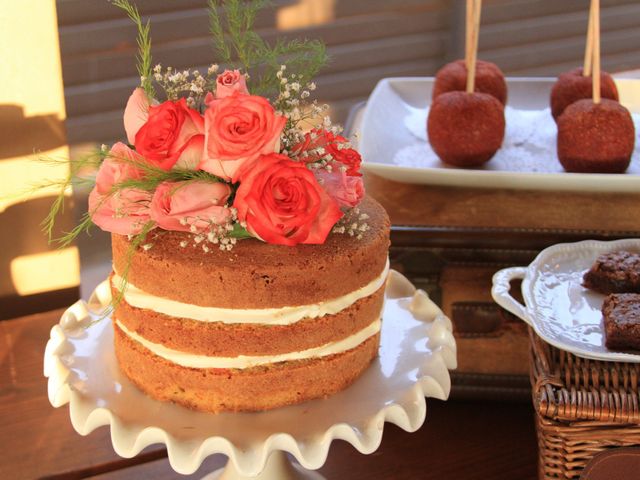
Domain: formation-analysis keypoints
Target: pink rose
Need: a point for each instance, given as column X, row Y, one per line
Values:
column 117, row 167
column 231, row 81
column 282, row 202
column 124, row 212
column 190, row 206
column 238, row 129
column 166, row 135
column 345, row 189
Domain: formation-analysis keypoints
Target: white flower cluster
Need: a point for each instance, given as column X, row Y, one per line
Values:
column 352, row 223
column 177, row 83
column 214, row 235
column 292, row 95
column 305, row 118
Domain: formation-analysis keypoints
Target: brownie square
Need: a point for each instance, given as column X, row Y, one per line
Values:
column 614, row 272
column 621, row 313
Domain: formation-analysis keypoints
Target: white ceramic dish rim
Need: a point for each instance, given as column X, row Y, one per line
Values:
column 596, row 182
column 408, row 411
column 528, row 275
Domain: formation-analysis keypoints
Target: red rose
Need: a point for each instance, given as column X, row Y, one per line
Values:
column 348, row 157
column 331, row 145
column 282, row 203
column 172, row 134
column 314, row 140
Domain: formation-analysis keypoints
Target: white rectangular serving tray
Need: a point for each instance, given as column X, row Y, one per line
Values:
column 382, row 134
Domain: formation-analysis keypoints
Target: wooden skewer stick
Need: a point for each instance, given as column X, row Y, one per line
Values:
column 596, row 50
column 588, row 48
column 471, row 68
column 468, row 33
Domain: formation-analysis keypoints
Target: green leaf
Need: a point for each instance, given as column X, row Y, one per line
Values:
column 239, row 232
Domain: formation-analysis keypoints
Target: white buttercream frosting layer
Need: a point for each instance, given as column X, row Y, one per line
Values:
column 267, row 316
column 243, row 361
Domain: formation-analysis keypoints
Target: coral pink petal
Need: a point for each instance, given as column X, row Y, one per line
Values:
column 136, row 113
column 191, row 156
column 213, row 166
column 209, row 98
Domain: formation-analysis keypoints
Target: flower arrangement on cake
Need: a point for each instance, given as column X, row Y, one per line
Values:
column 226, row 154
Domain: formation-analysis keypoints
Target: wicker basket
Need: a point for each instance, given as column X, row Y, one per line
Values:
column 582, row 408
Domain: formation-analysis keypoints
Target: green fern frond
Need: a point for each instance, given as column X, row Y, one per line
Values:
column 144, row 45
column 215, row 26
column 152, row 176
column 84, row 226
column 304, row 58
column 136, row 242
column 92, row 161
column 235, row 37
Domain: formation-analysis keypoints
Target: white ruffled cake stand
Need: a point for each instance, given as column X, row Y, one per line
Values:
column 416, row 353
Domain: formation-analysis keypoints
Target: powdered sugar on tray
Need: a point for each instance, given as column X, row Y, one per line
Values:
column 529, row 144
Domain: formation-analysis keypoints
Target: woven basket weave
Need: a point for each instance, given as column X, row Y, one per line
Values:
column 582, row 408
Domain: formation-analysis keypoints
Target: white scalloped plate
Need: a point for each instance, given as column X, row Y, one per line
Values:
column 560, row 310
column 417, row 350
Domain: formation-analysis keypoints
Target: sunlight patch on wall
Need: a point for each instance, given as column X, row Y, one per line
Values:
column 32, row 114
column 18, row 176
column 41, row 272
column 32, row 97
column 306, row 13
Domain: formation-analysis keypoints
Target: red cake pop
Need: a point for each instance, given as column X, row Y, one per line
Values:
column 595, row 137
column 453, row 76
column 573, row 86
column 595, row 134
column 465, row 129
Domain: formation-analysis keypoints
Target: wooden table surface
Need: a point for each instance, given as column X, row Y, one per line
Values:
column 459, row 440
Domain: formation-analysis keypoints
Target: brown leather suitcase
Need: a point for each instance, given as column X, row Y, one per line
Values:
column 449, row 241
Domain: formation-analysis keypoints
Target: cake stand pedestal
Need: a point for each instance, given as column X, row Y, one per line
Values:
column 417, row 350
column 278, row 467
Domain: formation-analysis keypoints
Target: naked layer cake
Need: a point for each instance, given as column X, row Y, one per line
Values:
column 256, row 327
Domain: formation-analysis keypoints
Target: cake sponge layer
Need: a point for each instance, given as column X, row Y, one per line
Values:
column 255, row 274
column 252, row 389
